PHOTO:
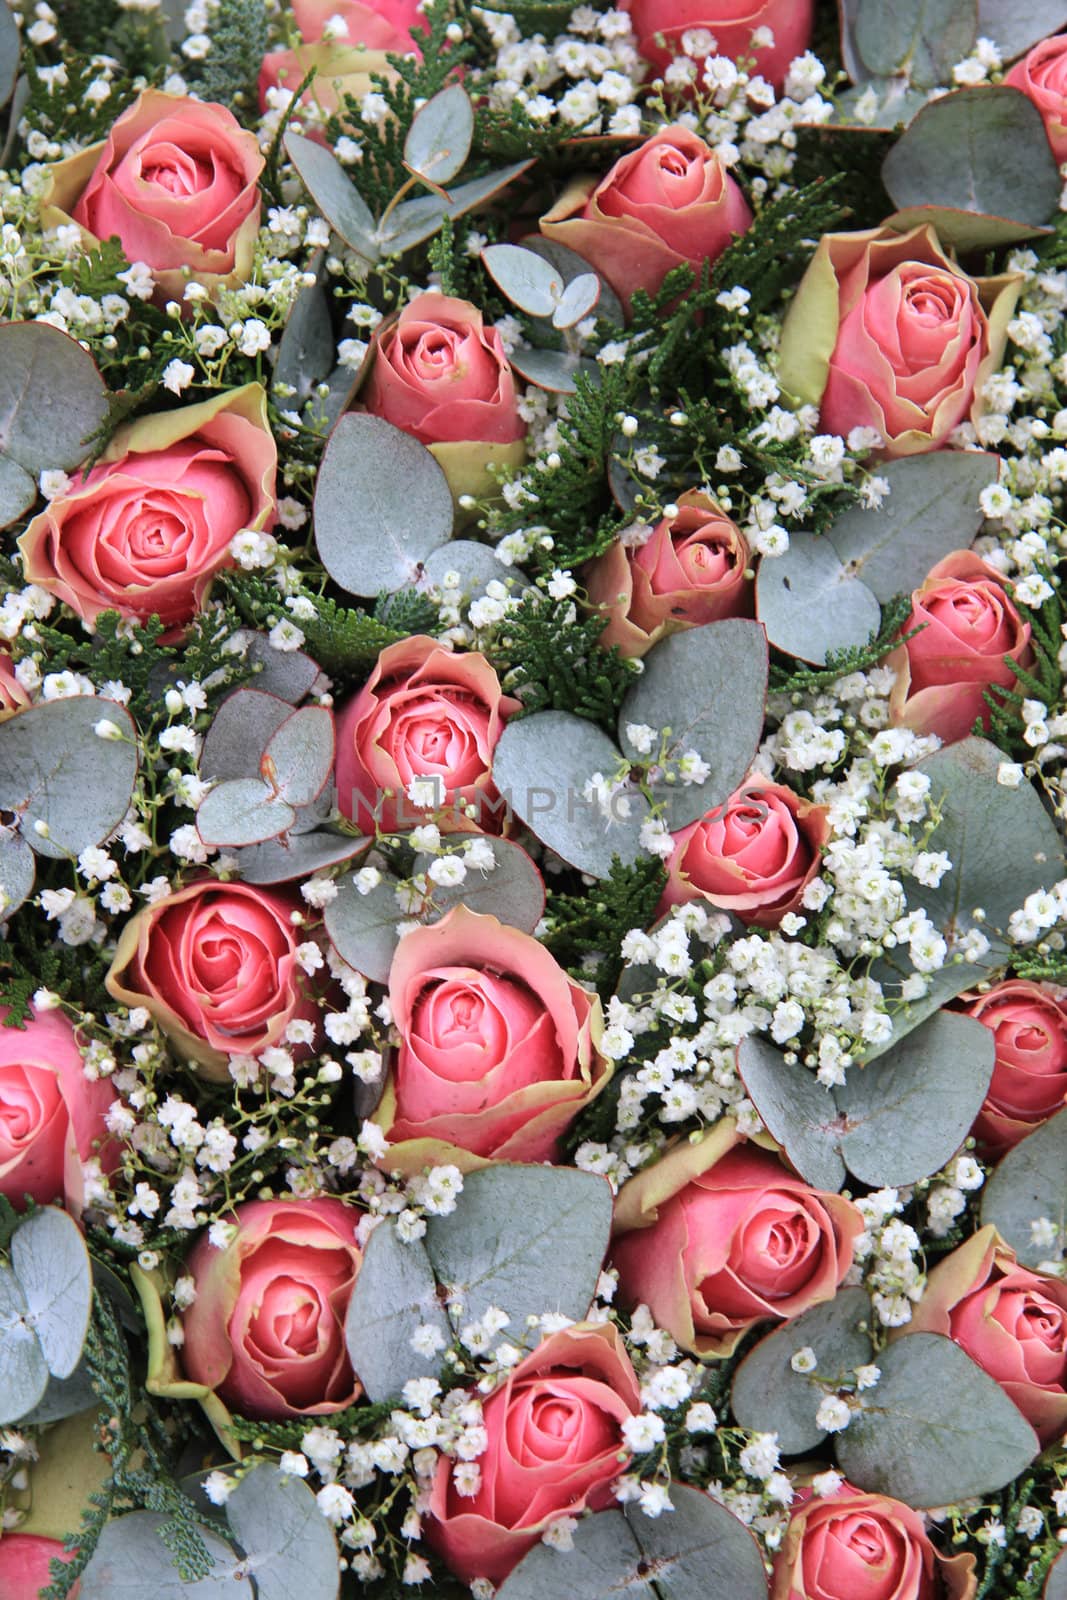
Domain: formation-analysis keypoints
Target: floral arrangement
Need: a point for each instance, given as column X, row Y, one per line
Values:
column 533, row 772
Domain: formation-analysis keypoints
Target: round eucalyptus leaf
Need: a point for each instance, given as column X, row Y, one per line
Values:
column 382, row 505
column 796, row 1109
column 570, row 265
column 131, row 1562
column 919, row 39
column 688, row 681
column 23, row 1368
column 18, row 490
column 513, row 891
column 299, row 856
column 64, row 1397
column 17, row 871
column 1056, row 1582
column 935, row 1429
column 299, row 758
column 10, row 50
column 894, row 105
column 242, row 811
column 52, row 398
column 810, row 604
column 56, row 770
column 362, row 927
column 541, row 767
column 307, row 348
column 964, row 232
column 475, row 565
column 578, row 299
column 698, row 1551
column 529, row 282
column 414, row 221
column 439, row 139
column 770, row 1397
column 976, row 150
column 523, row 1238
column 288, row 1544
column 334, row 193
column 285, row 674
column 51, row 1263
column 931, row 509
column 1015, row 25
column 395, row 1294
column 1028, row 1184
column 240, row 732
column 554, row 370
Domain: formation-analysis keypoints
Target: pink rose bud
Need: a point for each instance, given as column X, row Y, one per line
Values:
column 754, row 855
column 667, row 203
column 691, row 571
column 178, row 181
column 266, row 1331
column 147, row 529
column 1042, row 77
column 1029, row 1024
column 554, row 1443
column 25, row 1563
column 970, row 625
column 731, row 24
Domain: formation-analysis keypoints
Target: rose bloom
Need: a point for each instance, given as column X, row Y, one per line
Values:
column 731, row 23
column 970, row 626
column 886, row 332
column 498, row 1046
column 13, row 697
column 691, row 571
column 146, row 530
column 718, row 1236
column 1042, row 77
column 215, row 965
column 1011, row 1321
column 852, row 1545
column 554, row 1448
column 25, row 1560
column 1029, row 1024
column 177, row 181
column 426, row 711
column 753, row 855
column 442, row 375
column 52, row 1117
column 344, row 62
column 669, row 202
column 266, row 1331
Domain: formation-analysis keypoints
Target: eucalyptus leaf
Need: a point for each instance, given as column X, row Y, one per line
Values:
column 578, row 299
column 1015, row 25
column 894, row 105
column 288, row 1544
column 414, row 221
column 307, row 348
column 17, row 871
column 51, row 1263
column 476, row 566
column 56, row 770
column 64, row 1397
column 382, row 506
column 131, row 1562
column 570, row 265
column 395, row 1294
column 362, row 927
column 1056, row 1582
column 919, row 39
column 299, row 856
column 529, row 282
column 796, row 1109
column 52, row 401
column 240, row 732
column 18, row 490
column 23, row 1368
column 769, row 1396
column 298, row 760
column 554, row 370
column 242, row 811
column 1030, row 1183
column 334, row 193
column 964, row 232
column 688, row 682
column 285, row 674
column 811, row 604
column 439, row 138
column 10, row 51
column 525, row 1239
column 513, row 891
column 980, row 150
column 541, row 766
column 935, row 1429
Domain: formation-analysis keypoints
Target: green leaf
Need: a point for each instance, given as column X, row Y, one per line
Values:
column 414, row 221
column 570, row 265
column 278, row 861
column 698, row 1551
column 919, row 39
column 335, row 195
column 525, row 1239
column 1056, row 1582
column 240, row 732
column 362, row 927
column 980, row 150
column 64, row 1397
column 541, row 766
column 52, row 402
column 1029, row 1183
column 17, row 871
column 530, row 282
column 395, row 1294
column 769, row 1397
column 382, row 505
column 797, row 1110
column 687, row 681
column 51, row 1263
column 964, row 231
column 23, row 1369
column 932, row 509
column 935, row 1429
column 285, row 674
column 578, row 299
column 439, row 139
column 54, row 769
column 131, row 1562
column 811, row 604
column 289, row 1547
column 1015, row 25
column 298, row 761
column 10, row 50
column 513, row 891
column 476, row 566
column 242, row 811
column 307, row 348
column 554, row 370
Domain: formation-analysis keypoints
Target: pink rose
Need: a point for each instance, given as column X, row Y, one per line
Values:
column 1029, row 1023
column 669, row 202
column 753, row 855
column 177, row 180
column 426, row 711
column 266, row 1331
column 852, row 1545
column 970, row 625
column 25, row 1560
column 344, row 62
column 717, row 1237
column 886, row 332
column 731, row 24
column 691, row 571
column 380, row 25
column 147, row 529
column 498, row 1046
column 215, row 965
column 1009, row 1320
column 52, row 1117
column 554, row 1448
column 1042, row 77
column 13, row 696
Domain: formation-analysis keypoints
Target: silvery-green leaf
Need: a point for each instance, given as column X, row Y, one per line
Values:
column 52, row 401
column 935, row 1429
column 541, row 767
column 414, row 221
column 51, row 1263
column 439, row 139
column 17, row 871
column 289, row 1547
column 570, row 265
column 382, row 506
column 240, row 732
column 811, row 604
column 242, row 811
column 334, row 193
column 963, row 232
column 1030, row 1185
column 56, row 770
column 299, row 758
column 797, row 1110
column 1056, row 1582
column 307, row 348
column 554, row 370
column 918, row 39
column 395, row 1294
column 64, row 1397
column 285, row 674
column 529, row 282
column 513, row 892
column 579, row 298
column 769, row 1396
column 362, row 927
column 1015, row 25
column 299, row 856
column 476, row 566
column 131, row 1562
column 23, row 1368
column 895, row 103
column 10, row 50
column 18, row 490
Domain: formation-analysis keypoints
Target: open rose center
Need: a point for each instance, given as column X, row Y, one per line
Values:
column 28, row 1097
column 932, row 302
column 866, row 1539
column 176, row 171
column 557, row 1418
column 436, row 355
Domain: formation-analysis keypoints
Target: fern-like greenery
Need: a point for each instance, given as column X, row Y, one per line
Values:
column 230, row 70
column 1042, row 681
column 554, row 662
column 587, row 929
